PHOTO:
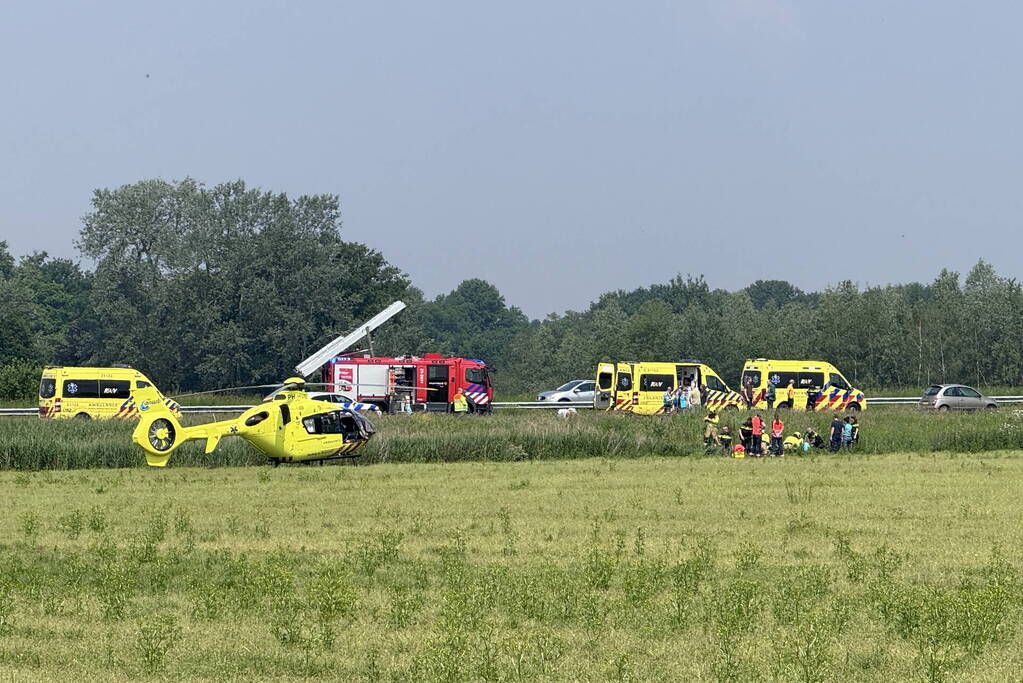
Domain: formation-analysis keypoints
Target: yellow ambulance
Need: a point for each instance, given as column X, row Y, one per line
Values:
column 638, row 387
column 92, row 393
column 815, row 385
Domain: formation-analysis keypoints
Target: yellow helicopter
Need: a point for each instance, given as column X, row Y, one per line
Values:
column 290, row 427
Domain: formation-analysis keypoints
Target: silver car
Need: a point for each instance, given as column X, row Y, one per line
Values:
column 576, row 390
column 955, row 397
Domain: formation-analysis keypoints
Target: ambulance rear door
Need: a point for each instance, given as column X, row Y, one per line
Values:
column 623, row 395
column 605, row 386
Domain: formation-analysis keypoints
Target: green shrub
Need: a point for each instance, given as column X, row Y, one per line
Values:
column 19, row 380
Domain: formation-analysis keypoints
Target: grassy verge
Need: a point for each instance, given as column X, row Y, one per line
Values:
column 856, row 568
column 30, row 444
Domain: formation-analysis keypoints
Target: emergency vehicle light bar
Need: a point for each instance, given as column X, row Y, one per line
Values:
column 342, row 343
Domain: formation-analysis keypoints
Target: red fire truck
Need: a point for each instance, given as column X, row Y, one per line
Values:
column 411, row 383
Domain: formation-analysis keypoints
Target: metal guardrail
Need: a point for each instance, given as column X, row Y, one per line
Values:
column 28, row 412
column 549, row 405
column 913, row 400
column 892, row 401
column 19, row 411
column 528, row 405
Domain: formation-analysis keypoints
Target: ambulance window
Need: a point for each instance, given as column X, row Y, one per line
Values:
column 81, row 388
column 604, row 380
column 142, row 385
column 810, row 379
column 838, row 381
column 656, row 382
column 47, row 387
column 714, row 383
column 754, row 377
column 624, row 381
column 782, row 379
column 110, row 388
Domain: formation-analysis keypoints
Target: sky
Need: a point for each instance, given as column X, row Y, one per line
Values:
column 556, row 149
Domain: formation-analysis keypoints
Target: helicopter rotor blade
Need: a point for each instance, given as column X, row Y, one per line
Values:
column 218, row 391
column 278, row 385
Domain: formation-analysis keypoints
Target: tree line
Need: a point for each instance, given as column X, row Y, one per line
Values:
column 203, row 287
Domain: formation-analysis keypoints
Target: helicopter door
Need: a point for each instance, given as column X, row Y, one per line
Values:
column 437, row 384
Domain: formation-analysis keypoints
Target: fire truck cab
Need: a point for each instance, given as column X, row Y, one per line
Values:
column 411, row 383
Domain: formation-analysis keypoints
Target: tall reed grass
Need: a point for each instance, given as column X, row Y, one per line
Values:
column 30, row 444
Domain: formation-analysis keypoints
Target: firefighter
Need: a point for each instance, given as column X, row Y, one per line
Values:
column 461, row 403
column 710, row 431
column 726, row 439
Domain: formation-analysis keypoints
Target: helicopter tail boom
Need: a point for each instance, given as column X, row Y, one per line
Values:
column 159, row 432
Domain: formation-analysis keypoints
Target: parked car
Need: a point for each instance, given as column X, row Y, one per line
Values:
column 955, row 397
column 344, row 402
column 576, row 390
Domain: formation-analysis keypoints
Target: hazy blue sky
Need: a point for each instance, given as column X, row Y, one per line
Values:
column 556, row 149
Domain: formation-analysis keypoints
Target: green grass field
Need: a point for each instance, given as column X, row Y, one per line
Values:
column 851, row 567
column 517, row 546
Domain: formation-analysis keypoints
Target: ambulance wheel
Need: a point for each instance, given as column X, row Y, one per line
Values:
column 732, row 408
column 853, row 407
column 83, row 416
column 784, row 405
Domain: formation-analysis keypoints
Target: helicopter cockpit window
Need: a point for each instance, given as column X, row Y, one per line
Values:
column 324, row 423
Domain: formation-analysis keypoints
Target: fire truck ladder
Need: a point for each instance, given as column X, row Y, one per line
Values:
column 345, row 342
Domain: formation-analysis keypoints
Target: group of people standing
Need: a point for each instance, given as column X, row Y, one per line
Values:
column 756, row 436
column 770, row 393
column 686, row 396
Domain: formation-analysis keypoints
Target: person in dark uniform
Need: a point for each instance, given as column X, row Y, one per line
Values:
column 837, row 425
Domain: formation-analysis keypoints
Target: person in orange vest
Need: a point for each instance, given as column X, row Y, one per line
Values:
column 777, row 434
column 461, row 403
column 757, row 424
